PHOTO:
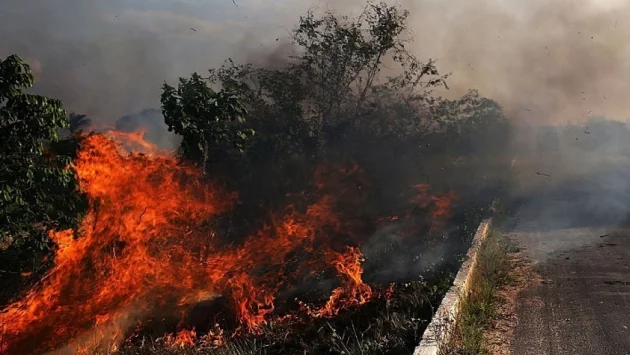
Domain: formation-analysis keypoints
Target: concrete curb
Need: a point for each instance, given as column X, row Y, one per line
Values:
column 437, row 334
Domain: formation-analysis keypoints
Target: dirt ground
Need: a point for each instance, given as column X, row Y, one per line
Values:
column 499, row 337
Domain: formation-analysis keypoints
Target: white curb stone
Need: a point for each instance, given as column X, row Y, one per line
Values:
column 437, row 334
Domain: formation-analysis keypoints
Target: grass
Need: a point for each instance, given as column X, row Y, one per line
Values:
column 392, row 326
column 478, row 307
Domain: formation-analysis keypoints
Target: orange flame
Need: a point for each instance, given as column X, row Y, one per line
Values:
column 215, row 337
column 131, row 247
column 441, row 205
column 145, row 249
column 183, row 339
column 352, row 292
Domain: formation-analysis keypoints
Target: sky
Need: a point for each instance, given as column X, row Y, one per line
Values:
column 542, row 60
column 109, row 58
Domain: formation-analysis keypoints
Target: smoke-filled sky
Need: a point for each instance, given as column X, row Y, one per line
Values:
column 544, row 61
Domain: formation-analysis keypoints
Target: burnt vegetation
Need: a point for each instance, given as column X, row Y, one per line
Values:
column 349, row 113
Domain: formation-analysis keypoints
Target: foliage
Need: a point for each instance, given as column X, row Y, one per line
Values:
column 471, row 124
column 348, row 91
column 38, row 190
column 340, row 61
column 333, row 84
column 209, row 122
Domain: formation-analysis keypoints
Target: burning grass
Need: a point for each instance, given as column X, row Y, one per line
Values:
column 384, row 326
column 148, row 260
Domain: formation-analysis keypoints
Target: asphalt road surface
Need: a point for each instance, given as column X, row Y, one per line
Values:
column 576, row 232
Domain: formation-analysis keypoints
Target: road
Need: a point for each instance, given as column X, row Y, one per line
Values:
column 576, row 234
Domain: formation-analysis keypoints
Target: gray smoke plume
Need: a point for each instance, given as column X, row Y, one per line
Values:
column 108, row 59
column 543, row 61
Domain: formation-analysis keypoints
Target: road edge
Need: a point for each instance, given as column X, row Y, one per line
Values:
column 438, row 333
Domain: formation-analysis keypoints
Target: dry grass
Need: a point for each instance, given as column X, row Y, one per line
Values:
column 383, row 327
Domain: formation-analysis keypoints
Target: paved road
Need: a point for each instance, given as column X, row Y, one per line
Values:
column 574, row 233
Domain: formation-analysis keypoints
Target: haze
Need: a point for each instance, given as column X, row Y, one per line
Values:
column 543, row 62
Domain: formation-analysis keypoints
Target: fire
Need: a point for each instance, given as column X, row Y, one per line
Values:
column 215, row 337
column 145, row 249
column 441, row 205
column 131, row 247
column 183, row 339
column 352, row 292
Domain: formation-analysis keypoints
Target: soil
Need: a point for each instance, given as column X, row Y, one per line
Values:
column 521, row 276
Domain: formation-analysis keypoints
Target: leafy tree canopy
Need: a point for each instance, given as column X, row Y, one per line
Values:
column 333, row 82
column 37, row 189
column 210, row 122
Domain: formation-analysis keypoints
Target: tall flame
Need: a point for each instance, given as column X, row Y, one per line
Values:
column 134, row 244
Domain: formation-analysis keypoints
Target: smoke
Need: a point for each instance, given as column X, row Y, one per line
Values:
column 545, row 62
column 542, row 61
column 109, row 59
column 151, row 123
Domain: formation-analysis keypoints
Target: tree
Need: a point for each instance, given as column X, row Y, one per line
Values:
column 38, row 190
column 342, row 60
column 333, row 84
column 325, row 102
column 472, row 124
column 349, row 90
column 211, row 123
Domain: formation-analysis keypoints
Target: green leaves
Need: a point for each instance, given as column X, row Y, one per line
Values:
column 37, row 189
column 212, row 124
column 15, row 76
